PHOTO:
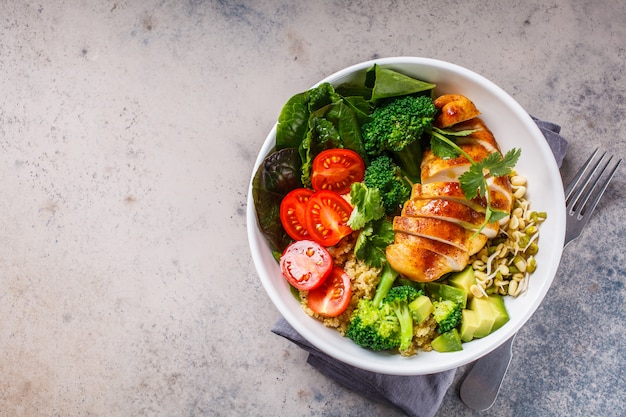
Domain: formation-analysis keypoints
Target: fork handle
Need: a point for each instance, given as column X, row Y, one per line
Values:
column 480, row 388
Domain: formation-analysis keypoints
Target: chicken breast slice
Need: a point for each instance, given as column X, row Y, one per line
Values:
column 501, row 193
column 442, row 231
column 452, row 211
column 436, row 169
column 453, row 109
column 448, row 190
column 417, row 263
column 481, row 136
column 457, row 258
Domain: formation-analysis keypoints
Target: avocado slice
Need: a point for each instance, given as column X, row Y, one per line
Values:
column 485, row 315
column 499, row 311
column 463, row 280
column 447, row 342
column 469, row 324
column 421, row 308
column 439, row 291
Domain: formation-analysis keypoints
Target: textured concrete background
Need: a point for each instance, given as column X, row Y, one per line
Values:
column 128, row 132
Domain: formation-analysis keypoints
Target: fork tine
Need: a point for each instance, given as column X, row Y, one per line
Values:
column 586, row 210
column 581, row 172
column 586, row 186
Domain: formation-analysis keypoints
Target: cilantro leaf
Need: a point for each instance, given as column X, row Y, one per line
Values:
column 368, row 205
column 496, row 215
column 505, row 165
column 372, row 241
column 473, row 182
column 443, row 143
column 442, row 149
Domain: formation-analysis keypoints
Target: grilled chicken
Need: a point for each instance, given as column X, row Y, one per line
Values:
column 452, row 211
column 453, row 109
column 438, row 229
column 441, row 230
column 448, row 190
column 481, row 135
column 417, row 263
column 436, row 169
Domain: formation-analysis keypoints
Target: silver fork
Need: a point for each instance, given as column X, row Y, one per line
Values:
column 481, row 385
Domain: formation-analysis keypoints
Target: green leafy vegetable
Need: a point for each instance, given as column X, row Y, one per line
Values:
column 293, row 121
column 320, row 119
column 278, row 174
column 367, row 205
column 372, row 241
column 386, row 83
column 376, row 231
column 444, row 148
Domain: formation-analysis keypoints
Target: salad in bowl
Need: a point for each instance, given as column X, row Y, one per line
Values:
column 405, row 215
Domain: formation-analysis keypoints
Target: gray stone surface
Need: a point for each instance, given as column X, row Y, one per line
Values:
column 128, row 133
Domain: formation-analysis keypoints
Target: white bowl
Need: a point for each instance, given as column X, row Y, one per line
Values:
column 512, row 127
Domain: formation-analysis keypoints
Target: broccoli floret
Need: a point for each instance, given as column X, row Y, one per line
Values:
column 373, row 324
column 373, row 327
column 396, row 126
column 383, row 173
column 447, row 314
column 386, row 321
column 387, row 278
column 399, row 298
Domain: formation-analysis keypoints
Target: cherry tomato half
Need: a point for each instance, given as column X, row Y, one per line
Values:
column 327, row 217
column 306, row 264
column 336, row 170
column 293, row 212
column 333, row 296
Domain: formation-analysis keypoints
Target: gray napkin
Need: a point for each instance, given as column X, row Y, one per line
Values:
column 417, row 396
column 557, row 143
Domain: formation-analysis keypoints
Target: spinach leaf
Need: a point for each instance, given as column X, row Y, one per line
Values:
column 278, row 174
column 362, row 107
column 354, row 90
column 293, row 120
column 387, row 83
column 321, row 96
column 322, row 134
column 347, row 123
column 335, row 125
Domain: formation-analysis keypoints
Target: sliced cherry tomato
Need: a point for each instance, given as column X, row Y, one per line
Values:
column 306, row 264
column 293, row 212
column 333, row 296
column 336, row 170
column 327, row 217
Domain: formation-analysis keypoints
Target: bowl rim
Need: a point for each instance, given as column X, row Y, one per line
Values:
column 398, row 365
